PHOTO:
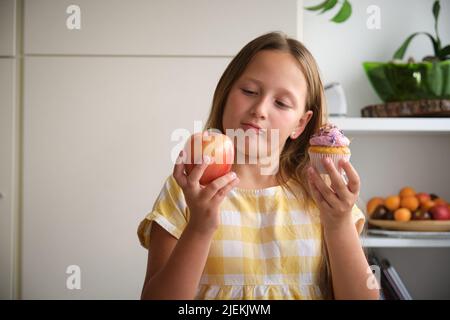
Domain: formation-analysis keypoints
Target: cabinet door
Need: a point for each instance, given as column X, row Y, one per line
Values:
column 155, row 27
column 97, row 148
column 7, row 27
column 8, row 165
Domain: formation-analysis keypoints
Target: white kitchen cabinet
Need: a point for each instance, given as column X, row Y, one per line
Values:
column 155, row 27
column 97, row 145
column 8, row 150
column 8, row 166
column 8, row 14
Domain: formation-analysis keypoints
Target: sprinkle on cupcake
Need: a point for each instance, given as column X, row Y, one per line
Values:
column 331, row 136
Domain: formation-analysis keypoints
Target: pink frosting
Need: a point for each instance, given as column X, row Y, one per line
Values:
column 329, row 135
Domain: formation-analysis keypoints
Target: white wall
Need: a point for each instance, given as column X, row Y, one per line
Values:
column 340, row 49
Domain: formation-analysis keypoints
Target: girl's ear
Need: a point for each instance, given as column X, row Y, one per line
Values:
column 301, row 125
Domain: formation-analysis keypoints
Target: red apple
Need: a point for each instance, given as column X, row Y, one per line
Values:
column 440, row 212
column 217, row 146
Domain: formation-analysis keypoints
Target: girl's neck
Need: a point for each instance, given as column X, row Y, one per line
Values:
column 257, row 173
column 250, row 177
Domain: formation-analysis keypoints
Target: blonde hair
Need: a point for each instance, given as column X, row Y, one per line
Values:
column 294, row 157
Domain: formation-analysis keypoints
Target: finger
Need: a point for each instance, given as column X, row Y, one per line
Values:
column 214, row 186
column 221, row 194
column 354, row 182
column 337, row 182
column 194, row 177
column 321, row 202
column 178, row 170
column 326, row 192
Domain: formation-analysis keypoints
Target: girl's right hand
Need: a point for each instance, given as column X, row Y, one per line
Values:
column 203, row 201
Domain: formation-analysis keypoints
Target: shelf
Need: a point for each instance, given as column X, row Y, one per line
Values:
column 386, row 242
column 399, row 125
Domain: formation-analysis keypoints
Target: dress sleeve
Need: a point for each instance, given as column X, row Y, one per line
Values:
column 169, row 211
column 358, row 218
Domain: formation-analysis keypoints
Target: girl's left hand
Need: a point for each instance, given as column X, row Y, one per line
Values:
column 335, row 202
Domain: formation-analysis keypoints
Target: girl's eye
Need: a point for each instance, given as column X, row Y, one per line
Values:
column 248, row 92
column 281, row 104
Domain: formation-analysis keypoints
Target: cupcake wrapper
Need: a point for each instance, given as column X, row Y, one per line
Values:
column 316, row 160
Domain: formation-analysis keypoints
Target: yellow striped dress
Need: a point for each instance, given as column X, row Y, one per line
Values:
column 266, row 247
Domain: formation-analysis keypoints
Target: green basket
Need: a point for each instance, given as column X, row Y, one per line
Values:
column 409, row 81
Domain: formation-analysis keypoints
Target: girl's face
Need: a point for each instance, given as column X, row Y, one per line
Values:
column 271, row 94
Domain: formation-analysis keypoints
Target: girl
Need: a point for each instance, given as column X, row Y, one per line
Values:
column 286, row 235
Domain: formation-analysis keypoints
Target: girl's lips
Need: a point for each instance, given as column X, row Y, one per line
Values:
column 247, row 126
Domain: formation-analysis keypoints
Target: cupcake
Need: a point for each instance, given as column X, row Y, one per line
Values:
column 329, row 142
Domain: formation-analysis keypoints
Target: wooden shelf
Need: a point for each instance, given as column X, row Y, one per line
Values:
column 392, row 125
column 386, row 242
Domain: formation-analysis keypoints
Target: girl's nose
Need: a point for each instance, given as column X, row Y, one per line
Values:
column 260, row 108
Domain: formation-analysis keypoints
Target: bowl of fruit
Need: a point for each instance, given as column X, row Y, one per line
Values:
column 409, row 211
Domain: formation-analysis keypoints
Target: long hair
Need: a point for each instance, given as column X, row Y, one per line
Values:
column 294, row 156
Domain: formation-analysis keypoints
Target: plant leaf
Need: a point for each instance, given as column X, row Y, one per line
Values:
column 344, row 13
column 436, row 9
column 401, row 51
column 330, row 5
column 319, row 6
column 444, row 52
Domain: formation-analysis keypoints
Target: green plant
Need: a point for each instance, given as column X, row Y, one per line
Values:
column 343, row 14
column 409, row 81
column 425, row 80
column 440, row 53
column 399, row 81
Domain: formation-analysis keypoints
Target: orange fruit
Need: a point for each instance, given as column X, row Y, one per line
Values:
column 373, row 204
column 402, row 214
column 392, row 202
column 409, row 202
column 428, row 204
column 407, row 191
